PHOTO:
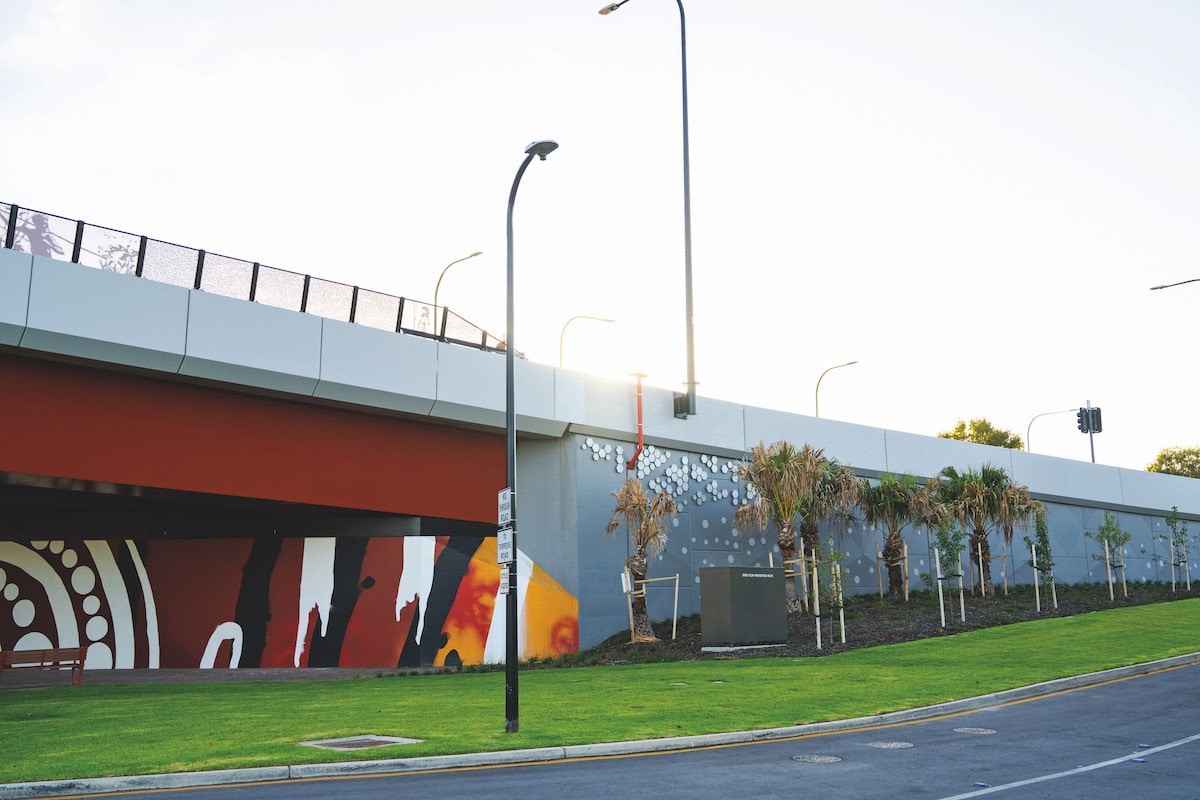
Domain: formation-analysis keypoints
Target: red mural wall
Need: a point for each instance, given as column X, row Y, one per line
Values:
column 70, row 421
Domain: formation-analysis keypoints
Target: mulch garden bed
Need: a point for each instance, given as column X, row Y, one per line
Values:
column 871, row 621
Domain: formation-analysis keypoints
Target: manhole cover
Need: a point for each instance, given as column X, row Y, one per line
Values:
column 974, row 730
column 360, row 742
column 817, row 759
column 890, row 745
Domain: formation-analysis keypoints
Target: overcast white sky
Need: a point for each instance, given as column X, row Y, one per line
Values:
column 969, row 197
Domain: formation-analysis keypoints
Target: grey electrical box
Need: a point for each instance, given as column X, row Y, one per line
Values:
column 743, row 605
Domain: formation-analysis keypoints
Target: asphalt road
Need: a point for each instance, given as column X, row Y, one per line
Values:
column 1134, row 739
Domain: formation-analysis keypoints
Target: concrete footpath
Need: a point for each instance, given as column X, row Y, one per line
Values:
column 44, row 789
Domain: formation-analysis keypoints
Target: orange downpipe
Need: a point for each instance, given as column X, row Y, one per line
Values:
column 638, row 451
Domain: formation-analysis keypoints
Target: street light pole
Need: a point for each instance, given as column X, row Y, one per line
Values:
column 1029, row 427
column 541, row 149
column 1169, row 285
column 685, row 403
column 564, row 330
column 439, row 283
column 817, row 392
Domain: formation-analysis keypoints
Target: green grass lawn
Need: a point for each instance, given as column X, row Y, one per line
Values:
column 93, row 731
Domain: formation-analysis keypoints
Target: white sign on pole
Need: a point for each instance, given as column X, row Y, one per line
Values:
column 504, row 578
column 504, row 506
column 504, row 546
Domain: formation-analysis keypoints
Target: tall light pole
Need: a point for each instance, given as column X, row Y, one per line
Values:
column 439, row 281
column 564, row 330
column 541, row 149
column 817, row 392
column 685, row 403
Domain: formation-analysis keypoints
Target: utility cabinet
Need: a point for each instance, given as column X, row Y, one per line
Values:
column 743, row 605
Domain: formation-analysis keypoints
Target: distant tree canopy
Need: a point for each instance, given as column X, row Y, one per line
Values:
column 1183, row 461
column 981, row 431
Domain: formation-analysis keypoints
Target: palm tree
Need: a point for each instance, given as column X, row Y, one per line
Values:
column 646, row 518
column 835, row 494
column 892, row 504
column 980, row 501
column 791, row 485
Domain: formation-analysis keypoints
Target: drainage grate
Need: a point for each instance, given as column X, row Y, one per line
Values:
column 817, row 759
column 974, row 730
column 890, row 745
column 360, row 742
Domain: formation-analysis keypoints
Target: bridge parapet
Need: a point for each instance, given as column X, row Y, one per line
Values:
column 48, row 235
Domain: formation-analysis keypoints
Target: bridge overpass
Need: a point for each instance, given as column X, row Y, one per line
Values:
column 206, row 463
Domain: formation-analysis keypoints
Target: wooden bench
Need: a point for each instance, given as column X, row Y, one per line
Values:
column 50, row 658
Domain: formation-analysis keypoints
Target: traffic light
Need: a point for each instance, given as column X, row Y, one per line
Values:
column 1083, row 420
column 1094, row 420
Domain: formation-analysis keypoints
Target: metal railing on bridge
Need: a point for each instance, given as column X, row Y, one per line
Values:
column 42, row 234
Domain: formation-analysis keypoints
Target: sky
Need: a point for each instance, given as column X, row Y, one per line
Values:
column 971, row 198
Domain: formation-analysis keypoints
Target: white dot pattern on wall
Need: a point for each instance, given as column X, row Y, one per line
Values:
column 23, row 613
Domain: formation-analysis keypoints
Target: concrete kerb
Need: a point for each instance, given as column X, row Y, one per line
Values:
column 45, row 789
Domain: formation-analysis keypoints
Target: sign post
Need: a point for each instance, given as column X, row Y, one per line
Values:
column 506, row 558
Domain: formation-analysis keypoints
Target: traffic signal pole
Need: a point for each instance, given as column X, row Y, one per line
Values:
column 1088, row 420
column 1091, row 433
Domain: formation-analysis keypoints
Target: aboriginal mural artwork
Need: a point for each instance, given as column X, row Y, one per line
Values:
column 380, row 602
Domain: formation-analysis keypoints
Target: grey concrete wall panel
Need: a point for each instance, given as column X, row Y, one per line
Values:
column 376, row 368
column 602, row 609
column 926, row 456
column 103, row 316
column 1061, row 478
column 15, row 271
column 1151, row 490
column 234, row 341
column 546, row 530
column 855, row 445
column 570, row 395
column 611, row 411
column 471, row 387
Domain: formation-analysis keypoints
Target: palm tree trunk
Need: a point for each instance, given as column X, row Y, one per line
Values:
column 893, row 554
column 787, row 549
column 642, row 630
column 980, row 547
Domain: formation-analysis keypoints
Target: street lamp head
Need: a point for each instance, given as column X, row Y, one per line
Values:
column 611, row 7
column 541, row 149
column 476, row 253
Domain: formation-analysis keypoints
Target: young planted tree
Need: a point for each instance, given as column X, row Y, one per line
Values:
column 1112, row 539
column 793, row 486
column 891, row 504
column 1043, row 566
column 981, row 501
column 1178, row 542
column 646, row 519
